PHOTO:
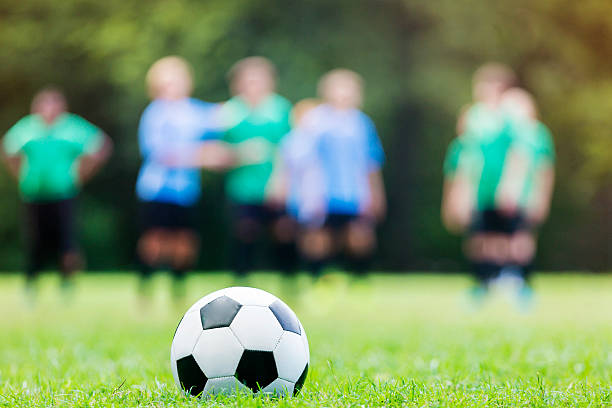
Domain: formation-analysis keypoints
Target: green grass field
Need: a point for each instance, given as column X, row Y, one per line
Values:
column 397, row 341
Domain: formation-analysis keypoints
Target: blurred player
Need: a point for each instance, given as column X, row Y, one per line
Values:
column 256, row 119
column 346, row 146
column 53, row 153
column 177, row 135
column 470, row 199
column 298, row 183
column 527, row 182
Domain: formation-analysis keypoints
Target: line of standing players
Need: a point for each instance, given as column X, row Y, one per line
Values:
column 308, row 176
column 499, row 176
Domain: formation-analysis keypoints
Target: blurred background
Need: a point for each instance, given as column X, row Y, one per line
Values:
column 417, row 57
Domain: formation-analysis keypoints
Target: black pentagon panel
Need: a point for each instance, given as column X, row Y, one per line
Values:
column 257, row 369
column 190, row 375
column 285, row 316
column 219, row 313
column 300, row 382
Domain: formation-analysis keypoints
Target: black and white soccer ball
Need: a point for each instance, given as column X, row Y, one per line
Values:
column 240, row 339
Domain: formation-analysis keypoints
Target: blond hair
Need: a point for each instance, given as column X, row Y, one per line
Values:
column 172, row 63
column 339, row 74
column 301, row 108
column 248, row 63
column 495, row 72
column 518, row 98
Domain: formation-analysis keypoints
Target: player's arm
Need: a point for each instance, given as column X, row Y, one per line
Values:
column 277, row 187
column 213, row 155
column 378, row 206
column 458, row 190
column 12, row 163
column 11, row 149
column 91, row 163
column 539, row 207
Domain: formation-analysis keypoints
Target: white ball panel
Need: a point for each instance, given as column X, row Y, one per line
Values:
column 279, row 387
column 224, row 385
column 218, row 352
column 187, row 335
column 206, row 299
column 290, row 356
column 250, row 296
column 257, row 328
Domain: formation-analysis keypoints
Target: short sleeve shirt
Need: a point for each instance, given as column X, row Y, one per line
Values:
column 268, row 123
column 50, row 154
column 173, row 129
column 348, row 149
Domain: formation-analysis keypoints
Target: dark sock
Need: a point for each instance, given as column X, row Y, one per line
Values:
column 485, row 271
column 526, row 272
column 360, row 266
column 243, row 257
column 315, row 266
column 286, row 257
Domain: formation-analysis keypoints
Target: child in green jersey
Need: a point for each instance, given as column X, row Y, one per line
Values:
column 52, row 153
column 256, row 120
column 473, row 169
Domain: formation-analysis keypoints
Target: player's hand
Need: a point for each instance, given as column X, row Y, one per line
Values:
column 253, row 151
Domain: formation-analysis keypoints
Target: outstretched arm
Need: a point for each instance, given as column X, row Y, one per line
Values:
column 544, row 186
column 90, row 164
column 12, row 163
column 457, row 204
column 378, row 205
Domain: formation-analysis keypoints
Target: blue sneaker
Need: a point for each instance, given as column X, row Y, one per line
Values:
column 525, row 298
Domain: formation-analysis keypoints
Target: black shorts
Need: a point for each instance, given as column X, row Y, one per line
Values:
column 168, row 216
column 497, row 222
column 259, row 213
column 341, row 221
column 49, row 230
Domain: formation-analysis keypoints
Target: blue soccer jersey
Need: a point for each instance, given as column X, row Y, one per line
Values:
column 306, row 186
column 173, row 129
column 348, row 150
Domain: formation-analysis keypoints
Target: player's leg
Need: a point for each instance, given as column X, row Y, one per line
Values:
column 360, row 244
column 523, row 249
column 69, row 258
column 246, row 230
column 184, row 243
column 34, row 243
column 476, row 248
column 284, row 231
column 152, row 247
column 316, row 247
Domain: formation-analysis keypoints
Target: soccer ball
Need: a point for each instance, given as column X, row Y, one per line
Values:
column 240, row 339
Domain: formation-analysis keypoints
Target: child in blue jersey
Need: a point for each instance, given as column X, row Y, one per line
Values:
column 176, row 136
column 346, row 146
column 297, row 183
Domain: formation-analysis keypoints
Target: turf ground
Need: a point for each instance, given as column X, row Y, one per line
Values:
column 394, row 341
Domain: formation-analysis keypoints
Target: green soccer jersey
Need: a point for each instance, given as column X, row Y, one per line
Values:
column 488, row 131
column 50, row 154
column 465, row 156
column 267, row 124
